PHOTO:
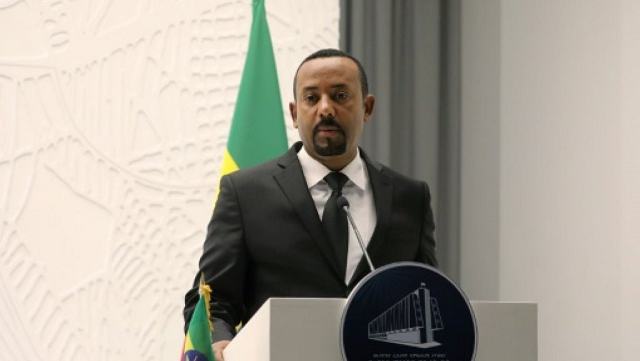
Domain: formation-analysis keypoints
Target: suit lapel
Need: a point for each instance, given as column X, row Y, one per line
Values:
column 293, row 184
column 382, row 186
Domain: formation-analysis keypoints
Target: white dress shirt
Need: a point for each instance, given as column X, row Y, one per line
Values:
column 357, row 191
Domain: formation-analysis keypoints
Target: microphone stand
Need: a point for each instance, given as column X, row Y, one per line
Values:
column 343, row 203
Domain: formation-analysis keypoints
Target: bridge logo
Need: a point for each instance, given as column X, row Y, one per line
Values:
column 407, row 311
column 410, row 321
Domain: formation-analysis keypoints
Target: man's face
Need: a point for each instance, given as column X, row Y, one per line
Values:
column 330, row 112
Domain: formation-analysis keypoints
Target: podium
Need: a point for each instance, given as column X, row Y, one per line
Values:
column 294, row 329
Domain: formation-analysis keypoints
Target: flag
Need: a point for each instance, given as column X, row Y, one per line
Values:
column 197, row 343
column 257, row 128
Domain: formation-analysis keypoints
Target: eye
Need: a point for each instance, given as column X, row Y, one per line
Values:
column 342, row 96
column 310, row 98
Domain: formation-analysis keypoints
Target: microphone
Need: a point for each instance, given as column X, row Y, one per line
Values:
column 343, row 203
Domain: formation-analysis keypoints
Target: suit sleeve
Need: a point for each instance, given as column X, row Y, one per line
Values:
column 224, row 264
column 427, row 248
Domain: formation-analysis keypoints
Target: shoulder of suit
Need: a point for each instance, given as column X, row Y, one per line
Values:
column 390, row 173
column 260, row 170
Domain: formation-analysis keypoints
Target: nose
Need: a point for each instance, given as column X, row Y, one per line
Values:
column 326, row 107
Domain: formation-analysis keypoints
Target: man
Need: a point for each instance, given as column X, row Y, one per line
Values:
column 266, row 237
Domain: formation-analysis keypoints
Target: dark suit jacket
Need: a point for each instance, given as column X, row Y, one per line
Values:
column 265, row 239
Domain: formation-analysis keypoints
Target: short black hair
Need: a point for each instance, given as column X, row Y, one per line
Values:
column 332, row 53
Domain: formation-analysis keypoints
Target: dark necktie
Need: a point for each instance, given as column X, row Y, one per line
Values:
column 335, row 220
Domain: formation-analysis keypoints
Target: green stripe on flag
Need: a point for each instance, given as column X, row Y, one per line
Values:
column 257, row 128
column 199, row 335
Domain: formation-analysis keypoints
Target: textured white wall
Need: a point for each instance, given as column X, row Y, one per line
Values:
column 568, row 169
column 113, row 120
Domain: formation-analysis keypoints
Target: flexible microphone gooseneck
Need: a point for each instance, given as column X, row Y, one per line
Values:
column 343, row 203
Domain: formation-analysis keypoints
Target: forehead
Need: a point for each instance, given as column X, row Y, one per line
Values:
column 331, row 70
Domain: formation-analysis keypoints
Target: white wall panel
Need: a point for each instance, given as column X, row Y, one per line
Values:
column 113, row 120
column 569, row 169
column 630, row 180
column 560, row 171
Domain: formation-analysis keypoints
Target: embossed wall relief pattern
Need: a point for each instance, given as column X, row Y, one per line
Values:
column 151, row 238
column 113, row 120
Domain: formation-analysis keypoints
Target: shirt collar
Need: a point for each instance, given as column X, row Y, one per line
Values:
column 314, row 171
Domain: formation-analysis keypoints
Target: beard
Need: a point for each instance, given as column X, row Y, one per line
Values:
column 328, row 147
column 331, row 148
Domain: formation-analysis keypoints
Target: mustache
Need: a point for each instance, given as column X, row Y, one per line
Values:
column 327, row 122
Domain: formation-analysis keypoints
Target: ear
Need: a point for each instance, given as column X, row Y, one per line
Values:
column 294, row 114
column 369, row 103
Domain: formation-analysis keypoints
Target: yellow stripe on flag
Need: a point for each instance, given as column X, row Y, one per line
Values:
column 188, row 345
column 228, row 166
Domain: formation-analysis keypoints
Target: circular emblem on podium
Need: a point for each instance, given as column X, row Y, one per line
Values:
column 408, row 312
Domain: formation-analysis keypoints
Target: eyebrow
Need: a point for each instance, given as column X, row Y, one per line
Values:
column 334, row 86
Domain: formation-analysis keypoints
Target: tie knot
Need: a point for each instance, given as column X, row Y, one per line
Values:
column 336, row 180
